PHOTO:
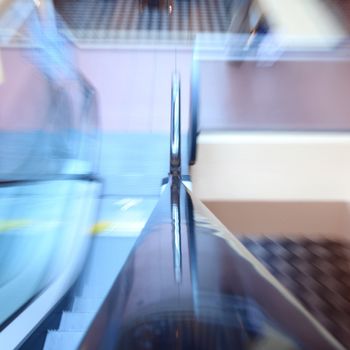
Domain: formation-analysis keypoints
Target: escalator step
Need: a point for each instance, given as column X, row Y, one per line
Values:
column 96, row 291
column 76, row 321
column 107, row 257
column 82, row 304
column 56, row 340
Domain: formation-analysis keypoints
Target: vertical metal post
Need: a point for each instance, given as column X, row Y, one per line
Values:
column 175, row 174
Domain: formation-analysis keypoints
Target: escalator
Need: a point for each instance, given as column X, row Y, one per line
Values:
column 188, row 283
column 178, row 281
column 185, row 282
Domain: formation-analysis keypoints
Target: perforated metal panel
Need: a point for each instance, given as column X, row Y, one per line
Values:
column 127, row 19
column 316, row 271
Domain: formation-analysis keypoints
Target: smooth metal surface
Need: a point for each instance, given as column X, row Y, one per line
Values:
column 175, row 133
column 225, row 299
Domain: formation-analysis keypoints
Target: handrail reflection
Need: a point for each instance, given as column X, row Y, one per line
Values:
column 175, row 134
column 176, row 228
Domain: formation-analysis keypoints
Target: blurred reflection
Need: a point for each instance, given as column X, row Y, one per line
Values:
column 48, row 143
column 41, row 236
column 48, row 114
column 224, row 300
column 176, row 229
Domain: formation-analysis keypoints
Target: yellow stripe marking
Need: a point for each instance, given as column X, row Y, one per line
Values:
column 8, row 225
column 100, row 227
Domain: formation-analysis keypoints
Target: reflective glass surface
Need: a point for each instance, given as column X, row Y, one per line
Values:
column 190, row 284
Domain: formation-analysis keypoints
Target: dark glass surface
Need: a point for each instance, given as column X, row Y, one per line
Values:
column 189, row 284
